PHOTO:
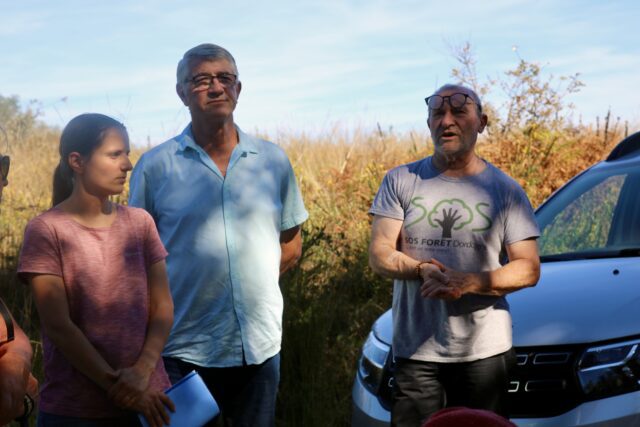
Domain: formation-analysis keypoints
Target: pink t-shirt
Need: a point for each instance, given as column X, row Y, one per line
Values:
column 105, row 276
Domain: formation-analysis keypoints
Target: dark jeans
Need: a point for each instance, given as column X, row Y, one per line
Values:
column 422, row 388
column 51, row 420
column 245, row 394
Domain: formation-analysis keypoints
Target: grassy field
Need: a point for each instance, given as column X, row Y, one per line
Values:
column 332, row 297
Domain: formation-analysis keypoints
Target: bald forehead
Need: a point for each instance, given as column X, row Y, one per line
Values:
column 449, row 89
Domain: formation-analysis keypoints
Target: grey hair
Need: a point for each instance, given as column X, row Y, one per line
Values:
column 472, row 93
column 203, row 52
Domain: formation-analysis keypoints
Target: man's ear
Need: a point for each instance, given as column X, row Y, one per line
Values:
column 181, row 94
column 484, row 120
column 76, row 162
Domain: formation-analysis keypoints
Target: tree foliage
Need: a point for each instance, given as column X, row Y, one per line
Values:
column 533, row 124
column 16, row 122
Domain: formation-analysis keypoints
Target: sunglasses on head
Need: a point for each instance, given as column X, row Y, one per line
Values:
column 456, row 100
column 5, row 162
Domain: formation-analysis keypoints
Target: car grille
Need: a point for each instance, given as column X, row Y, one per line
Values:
column 542, row 384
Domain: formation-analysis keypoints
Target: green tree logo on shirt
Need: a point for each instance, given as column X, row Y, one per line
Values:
column 450, row 214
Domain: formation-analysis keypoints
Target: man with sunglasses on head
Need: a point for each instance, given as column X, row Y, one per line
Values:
column 229, row 212
column 456, row 234
column 15, row 352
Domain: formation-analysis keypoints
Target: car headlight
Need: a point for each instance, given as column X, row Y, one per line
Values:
column 610, row 370
column 372, row 361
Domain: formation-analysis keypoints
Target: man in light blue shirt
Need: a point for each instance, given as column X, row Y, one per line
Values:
column 229, row 211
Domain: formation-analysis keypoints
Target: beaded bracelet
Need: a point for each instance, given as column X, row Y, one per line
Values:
column 418, row 270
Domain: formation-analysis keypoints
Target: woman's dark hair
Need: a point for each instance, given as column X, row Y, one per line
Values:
column 83, row 134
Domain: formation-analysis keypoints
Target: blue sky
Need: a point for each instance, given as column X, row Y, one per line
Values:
column 307, row 66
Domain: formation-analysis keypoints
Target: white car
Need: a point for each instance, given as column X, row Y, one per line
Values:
column 577, row 333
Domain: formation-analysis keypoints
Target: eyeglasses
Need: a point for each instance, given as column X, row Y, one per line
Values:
column 5, row 162
column 456, row 100
column 205, row 81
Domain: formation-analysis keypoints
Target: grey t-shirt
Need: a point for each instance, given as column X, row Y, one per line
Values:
column 465, row 223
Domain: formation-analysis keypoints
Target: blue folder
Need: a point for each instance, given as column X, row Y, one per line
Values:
column 195, row 405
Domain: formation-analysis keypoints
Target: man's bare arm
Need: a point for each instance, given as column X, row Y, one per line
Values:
column 15, row 366
column 384, row 256
column 291, row 248
column 522, row 270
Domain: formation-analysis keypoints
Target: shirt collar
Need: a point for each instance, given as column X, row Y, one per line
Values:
column 247, row 143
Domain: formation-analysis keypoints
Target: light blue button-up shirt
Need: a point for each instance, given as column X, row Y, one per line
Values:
column 223, row 238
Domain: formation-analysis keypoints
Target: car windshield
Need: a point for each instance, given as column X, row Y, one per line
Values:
column 597, row 215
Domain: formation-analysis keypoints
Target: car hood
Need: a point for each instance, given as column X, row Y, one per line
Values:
column 574, row 302
column 578, row 302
